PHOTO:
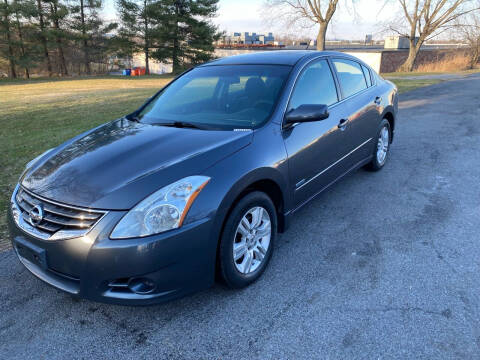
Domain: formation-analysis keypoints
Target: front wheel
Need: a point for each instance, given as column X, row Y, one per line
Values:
column 382, row 147
column 247, row 240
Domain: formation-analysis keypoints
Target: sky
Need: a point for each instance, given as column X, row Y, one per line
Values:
column 349, row 22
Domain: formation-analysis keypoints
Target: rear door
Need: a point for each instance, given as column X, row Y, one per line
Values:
column 359, row 96
column 314, row 148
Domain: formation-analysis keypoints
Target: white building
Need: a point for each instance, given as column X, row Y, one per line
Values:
column 155, row 66
column 397, row 42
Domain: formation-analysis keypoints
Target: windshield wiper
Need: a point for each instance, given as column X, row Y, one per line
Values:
column 181, row 124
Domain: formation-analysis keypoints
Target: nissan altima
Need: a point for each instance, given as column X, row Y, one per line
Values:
column 196, row 184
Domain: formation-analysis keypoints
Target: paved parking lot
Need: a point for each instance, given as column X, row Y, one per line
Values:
column 383, row 265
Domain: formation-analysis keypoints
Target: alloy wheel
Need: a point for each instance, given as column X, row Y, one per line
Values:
column 252, row 240
column 382, row 145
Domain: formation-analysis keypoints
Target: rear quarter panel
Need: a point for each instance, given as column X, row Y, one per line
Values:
column 390, row 101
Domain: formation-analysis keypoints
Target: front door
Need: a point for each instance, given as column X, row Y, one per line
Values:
column 315, row 148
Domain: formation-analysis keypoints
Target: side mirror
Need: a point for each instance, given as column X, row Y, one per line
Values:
column 307, row 113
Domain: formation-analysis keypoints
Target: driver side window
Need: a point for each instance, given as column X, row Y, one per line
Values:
column 315, row 85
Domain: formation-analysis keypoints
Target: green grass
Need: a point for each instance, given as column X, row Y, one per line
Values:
column 37, row 79
column 404, row 85
column 401, row 79
column 39, row 114
column 408, row 74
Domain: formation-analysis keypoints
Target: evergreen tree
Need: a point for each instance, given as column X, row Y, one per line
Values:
column 58, row 14
column 19, row 10
column 86, row 19
column 43, row 33
column 137, row 32
column 102, row 43
column 185, row 33
column 19, row 36
column 7, row 29
column 29, row 52
column 54, row 35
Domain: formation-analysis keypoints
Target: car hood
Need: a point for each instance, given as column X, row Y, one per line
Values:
column 118, row 164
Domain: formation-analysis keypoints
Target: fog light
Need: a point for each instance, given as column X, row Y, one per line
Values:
column 141, row 286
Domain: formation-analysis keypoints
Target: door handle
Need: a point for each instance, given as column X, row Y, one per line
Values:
column 378, row 100
column 342, row 124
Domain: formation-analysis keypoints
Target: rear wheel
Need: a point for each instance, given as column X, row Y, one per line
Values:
column 382, row 147
column 247, row 240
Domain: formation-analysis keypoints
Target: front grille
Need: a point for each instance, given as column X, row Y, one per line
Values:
column 57, row 218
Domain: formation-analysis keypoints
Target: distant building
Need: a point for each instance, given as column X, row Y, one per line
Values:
column 247, row 38
column 397, row 42
column 368, row 39
column 156, row 67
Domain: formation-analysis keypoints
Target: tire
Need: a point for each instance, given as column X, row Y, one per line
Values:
column 378, row 162
column 237, row 273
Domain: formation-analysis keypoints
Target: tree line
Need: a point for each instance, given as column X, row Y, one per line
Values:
column 71, row 37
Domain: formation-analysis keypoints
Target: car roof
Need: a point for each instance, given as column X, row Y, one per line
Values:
column 278, row 57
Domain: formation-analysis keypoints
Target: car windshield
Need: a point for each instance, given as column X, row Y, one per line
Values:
column 223, row 97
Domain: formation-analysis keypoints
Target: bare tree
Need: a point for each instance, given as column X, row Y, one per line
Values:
column 316, row 12
column 428, row 18
column 469, row 32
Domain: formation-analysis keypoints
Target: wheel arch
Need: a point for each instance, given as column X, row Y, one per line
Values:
column 388, row 114
column 266, row 180
column 272, row 189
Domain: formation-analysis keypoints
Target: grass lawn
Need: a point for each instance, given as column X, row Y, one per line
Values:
column 405, row 82
column 42, row 113
column 408, row 74
column 404, row 85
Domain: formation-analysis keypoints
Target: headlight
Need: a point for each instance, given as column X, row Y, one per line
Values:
column 164, row 210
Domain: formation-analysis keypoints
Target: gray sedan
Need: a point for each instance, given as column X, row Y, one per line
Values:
column 199, row 180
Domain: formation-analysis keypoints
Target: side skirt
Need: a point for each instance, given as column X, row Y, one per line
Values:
column 288, row 215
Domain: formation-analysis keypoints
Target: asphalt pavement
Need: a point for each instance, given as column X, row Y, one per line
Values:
column 381, row 266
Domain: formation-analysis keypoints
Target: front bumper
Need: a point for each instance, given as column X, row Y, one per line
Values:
column 94, row 267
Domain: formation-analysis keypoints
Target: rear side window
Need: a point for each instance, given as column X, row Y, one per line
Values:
column 315, row 85
column 366, row 72
column 350, row 75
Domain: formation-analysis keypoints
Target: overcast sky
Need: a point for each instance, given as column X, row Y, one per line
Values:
column 347, row 23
